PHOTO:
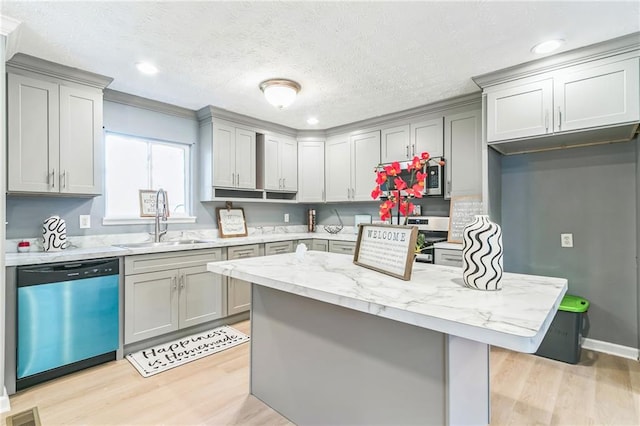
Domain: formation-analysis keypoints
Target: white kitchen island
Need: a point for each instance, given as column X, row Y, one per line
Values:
column 335, row 343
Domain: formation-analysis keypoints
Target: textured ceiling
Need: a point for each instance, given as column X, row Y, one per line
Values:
column 354, row 60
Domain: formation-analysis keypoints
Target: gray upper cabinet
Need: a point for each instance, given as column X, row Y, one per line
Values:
column 311, row 172
column 592, row 95
column 395, row 144
column 279, row 168
column 55, row 137
column 463, row 154
column 349, row 166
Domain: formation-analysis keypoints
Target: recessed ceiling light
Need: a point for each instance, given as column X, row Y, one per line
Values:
column 313, row 121
column 146, row 68
column 547, row 46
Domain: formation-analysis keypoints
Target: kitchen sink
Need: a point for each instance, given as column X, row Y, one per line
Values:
column 161, row 243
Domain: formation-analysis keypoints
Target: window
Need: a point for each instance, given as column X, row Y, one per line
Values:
column 134, row 163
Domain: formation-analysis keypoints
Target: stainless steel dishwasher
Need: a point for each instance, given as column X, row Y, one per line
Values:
column 66, row 319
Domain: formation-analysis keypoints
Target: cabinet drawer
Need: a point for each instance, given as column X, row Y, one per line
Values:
column 239, row 252
column 344, row 247
column 308, row 243
column 142, row 263
column 320, row 245
column 448, row 257
column 278, row 248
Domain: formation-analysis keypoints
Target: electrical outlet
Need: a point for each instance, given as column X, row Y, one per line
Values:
column 85, row 221
column 566, row 240
column 286, row 218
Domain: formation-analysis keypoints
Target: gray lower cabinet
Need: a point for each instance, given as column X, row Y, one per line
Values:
column 320, row 245
column 448, row 257
column 344, row 247
column 239, row 291
column 169, row 291
column 279, row 247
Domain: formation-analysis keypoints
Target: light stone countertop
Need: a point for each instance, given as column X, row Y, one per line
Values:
column 109, row 249
column 516, row 317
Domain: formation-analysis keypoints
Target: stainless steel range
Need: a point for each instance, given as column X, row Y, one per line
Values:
column 431, row 230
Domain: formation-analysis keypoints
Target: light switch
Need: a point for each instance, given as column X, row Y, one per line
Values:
column 286, row 218
column 566, row 240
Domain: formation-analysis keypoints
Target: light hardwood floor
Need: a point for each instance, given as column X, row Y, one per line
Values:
column 526, row 390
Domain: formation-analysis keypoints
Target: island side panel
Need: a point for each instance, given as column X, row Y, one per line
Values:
column 318, row 363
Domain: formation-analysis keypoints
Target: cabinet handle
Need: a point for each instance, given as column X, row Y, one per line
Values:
column 233, row 179
column 238, row 180
column 283, row 183
column 546, row 121
column 407, row 148
column 175, row 285
column 323, row 196
column 53, row 178
column 559, row 119
column 63, row 178
column 413, row 149
column 182, row 281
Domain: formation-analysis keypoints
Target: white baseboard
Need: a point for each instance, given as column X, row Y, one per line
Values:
column 4, row 401
column 611, row 348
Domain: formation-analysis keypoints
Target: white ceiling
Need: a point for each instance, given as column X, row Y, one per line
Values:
column 354, row 60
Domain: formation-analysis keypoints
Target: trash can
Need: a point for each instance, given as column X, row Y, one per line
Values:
column 562, row 341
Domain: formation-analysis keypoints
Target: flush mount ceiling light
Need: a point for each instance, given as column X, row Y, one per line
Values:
column 146, row 68
column 547, row 46
column 312, row 121
column 280, row 92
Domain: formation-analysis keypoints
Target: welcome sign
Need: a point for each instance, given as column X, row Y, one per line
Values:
column 387, row 248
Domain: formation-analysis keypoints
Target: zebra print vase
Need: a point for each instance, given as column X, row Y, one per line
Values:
column 482, row 254
column 54, row 234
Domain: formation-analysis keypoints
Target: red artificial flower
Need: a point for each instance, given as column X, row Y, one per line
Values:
column 399, row 183
column 376, row 193
column 425, row 156
column 417, row 189
column 415, row 164
column 406, row 208
column 441, row 162
column 420, row 177
column 393, row 170
column 381, row 178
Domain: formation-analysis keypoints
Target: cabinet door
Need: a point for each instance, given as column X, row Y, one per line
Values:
column 320, row 245
column 463, row 153
column 238, row 296
column 150, row 305
column 521, row 111
column 224, row 155
column 80, row 141
column 33, row 135
column 289, row 164
column 598, row 96
column 365, row 156
column 311, row 175
column 428, row 136
column 342, row 247
column 338, row 168
column 200, row 296
column 395, row 144
column 245, row 159
column 272, row 179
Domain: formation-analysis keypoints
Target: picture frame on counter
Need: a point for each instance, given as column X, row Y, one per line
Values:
column 389, row 249
column 148, row 202
column 231, row 222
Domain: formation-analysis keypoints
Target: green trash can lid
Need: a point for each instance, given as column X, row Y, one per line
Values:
column 573, row 304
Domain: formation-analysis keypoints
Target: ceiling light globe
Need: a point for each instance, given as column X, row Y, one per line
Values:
column 547, row 46
column 147, row 68
column 280, row 93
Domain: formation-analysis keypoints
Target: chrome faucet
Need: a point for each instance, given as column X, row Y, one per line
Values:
column 157, row 232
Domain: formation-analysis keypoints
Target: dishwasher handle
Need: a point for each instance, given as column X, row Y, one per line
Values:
column 68, row 271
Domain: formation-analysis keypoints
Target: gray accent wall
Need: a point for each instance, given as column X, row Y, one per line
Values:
column 26, row 213
column 590, row 192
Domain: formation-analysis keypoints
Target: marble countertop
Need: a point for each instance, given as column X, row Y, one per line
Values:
column 103, row 251
column 516, row 317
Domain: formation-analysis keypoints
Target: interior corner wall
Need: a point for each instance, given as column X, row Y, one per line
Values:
column 638, row 236
column 4, row 400
column 591, row 193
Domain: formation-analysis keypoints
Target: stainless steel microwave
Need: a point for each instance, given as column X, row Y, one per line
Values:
column 434, row 181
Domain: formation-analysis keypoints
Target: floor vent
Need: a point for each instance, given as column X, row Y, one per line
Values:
column 25, row 418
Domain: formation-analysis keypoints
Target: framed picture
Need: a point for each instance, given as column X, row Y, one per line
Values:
column 231, row 222
column 148, row 202
column 387, row 248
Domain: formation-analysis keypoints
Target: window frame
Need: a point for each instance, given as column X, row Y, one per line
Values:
column 189, row 193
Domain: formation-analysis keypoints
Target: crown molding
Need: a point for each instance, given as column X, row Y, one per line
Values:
column 616, row 46
column 22, row 61
column 311, row 135
column 261, row 126
column 8, row 25
column 140, row 102
column 473, row 99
